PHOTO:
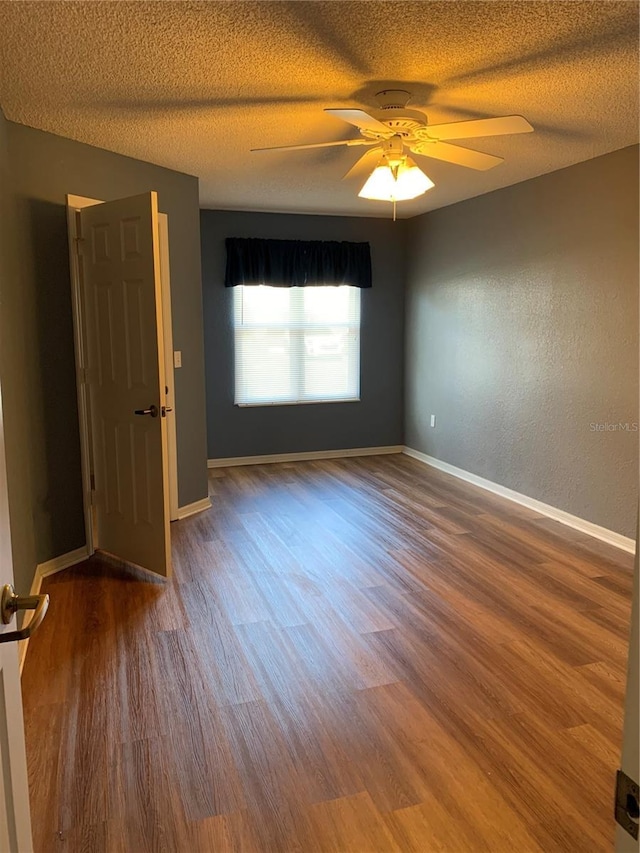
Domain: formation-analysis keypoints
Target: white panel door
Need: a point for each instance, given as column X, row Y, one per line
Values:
column 125, row 378
column 15, row 823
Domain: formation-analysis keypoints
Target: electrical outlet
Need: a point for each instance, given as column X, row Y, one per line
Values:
column 433, row 420
column 177, row 358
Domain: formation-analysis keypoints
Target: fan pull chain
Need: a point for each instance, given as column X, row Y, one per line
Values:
column 394, row 210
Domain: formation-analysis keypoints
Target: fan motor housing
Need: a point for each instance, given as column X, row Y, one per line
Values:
column 401, row 122
column 392, row 111
column 391, row 99
column 404, row 122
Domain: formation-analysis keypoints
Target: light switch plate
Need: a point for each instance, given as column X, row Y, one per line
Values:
column 177, row 358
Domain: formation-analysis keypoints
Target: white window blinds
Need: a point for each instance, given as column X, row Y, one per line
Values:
column 296, row 344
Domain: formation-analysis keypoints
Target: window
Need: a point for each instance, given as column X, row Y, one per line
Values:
column 296, row 344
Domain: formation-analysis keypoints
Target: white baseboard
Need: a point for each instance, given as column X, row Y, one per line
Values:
column 192, row 509
column 43, row 570
column 581, row 524
column 64, row 561
column 304, row 457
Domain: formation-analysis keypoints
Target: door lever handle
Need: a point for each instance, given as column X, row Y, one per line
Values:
column 10, row 603
column 152, row 410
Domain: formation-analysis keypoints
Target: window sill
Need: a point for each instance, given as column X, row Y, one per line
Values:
column 295, row 403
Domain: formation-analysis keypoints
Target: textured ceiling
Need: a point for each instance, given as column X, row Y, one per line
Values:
column 194, row 86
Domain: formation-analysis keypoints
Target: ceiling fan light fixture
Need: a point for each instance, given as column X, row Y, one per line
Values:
column 411, row 181
column 395, row 130
column 380, row 185
column 407, row 181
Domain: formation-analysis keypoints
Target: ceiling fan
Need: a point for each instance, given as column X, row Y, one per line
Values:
column 392, row 131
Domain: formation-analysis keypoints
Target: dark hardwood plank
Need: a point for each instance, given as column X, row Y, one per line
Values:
column 354, row 655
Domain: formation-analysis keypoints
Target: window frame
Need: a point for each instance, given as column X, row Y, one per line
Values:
column 297, row 351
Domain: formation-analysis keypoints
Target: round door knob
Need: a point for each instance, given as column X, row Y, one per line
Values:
column 152, row 410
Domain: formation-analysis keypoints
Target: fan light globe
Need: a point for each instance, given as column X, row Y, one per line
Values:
column 380, row 184
column 411, row 181
column 408, row 182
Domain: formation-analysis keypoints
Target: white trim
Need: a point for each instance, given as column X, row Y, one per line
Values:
column 43, row 570
column 581, row 524
column 303, row 457
column 170, row 379
column 64, row 561
column 74, row 205
column 192, row 509
column 78, row 202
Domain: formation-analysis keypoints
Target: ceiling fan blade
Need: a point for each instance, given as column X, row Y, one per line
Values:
column 365, row 164
column 458, row 155
column 479, row 127
column 360, row 119
column 317, row 145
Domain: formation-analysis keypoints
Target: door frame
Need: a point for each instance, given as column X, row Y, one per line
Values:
column 74, row 205
column 15, row 820
column 167, row 331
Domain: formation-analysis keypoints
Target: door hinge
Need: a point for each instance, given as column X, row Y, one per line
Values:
column 627, row 803
column 92, row 486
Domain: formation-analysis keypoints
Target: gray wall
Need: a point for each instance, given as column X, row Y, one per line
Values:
column 522, row 331
column 374, row 421
column 37, row 343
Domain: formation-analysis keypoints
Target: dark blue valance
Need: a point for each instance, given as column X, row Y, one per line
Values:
column 297, row 263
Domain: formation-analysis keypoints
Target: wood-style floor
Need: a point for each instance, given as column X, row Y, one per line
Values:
column 357, row 655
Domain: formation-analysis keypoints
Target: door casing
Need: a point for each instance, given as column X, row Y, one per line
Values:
column 15, row 819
